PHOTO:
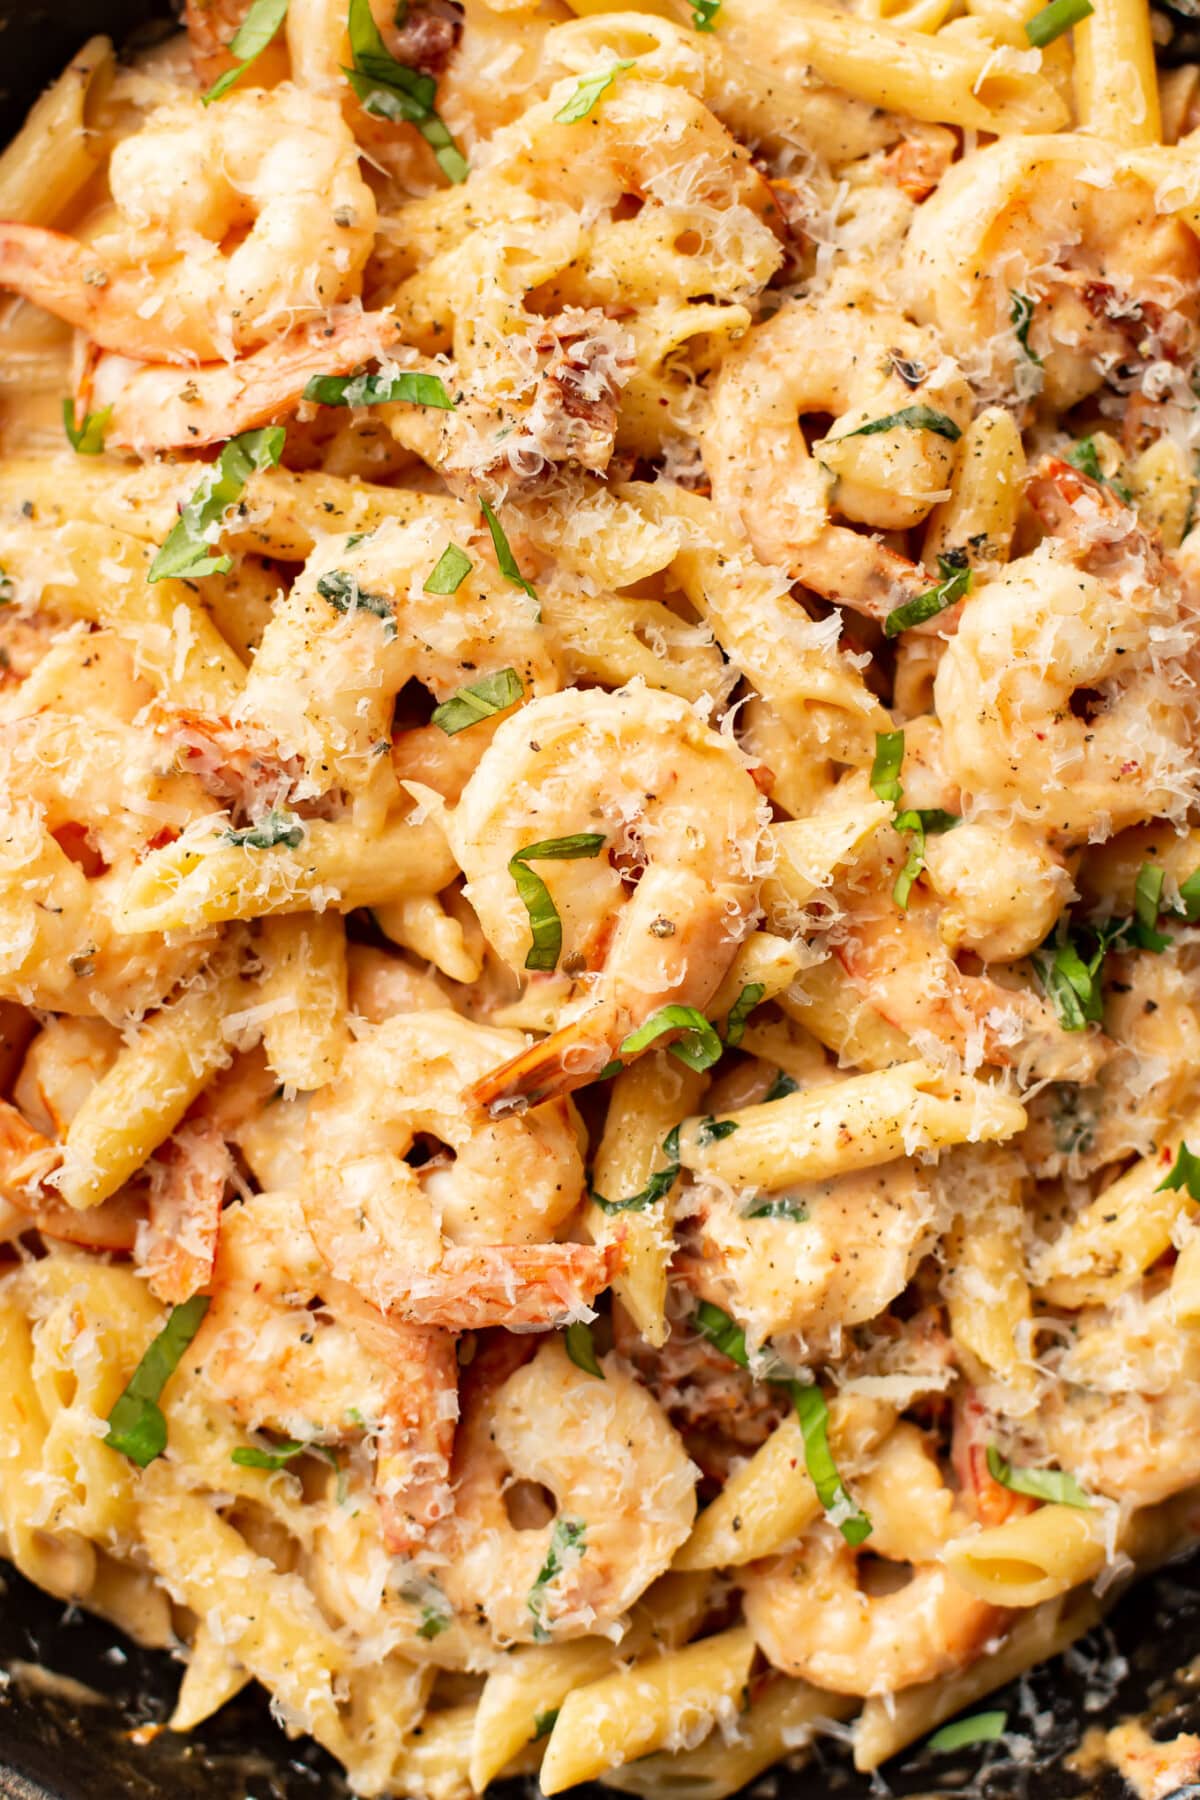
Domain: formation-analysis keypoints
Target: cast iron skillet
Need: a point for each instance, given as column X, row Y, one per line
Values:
column 65, row 1745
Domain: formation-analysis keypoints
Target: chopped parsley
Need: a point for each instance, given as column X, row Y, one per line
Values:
column 136, row 1426
column 482, row 700
column 545, row 926
column 248, row 43
column 584, row 99
column 390, row 90
column 188, row 547
column 568, row 1541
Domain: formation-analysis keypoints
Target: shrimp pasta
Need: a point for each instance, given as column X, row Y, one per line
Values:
column 600, row 1128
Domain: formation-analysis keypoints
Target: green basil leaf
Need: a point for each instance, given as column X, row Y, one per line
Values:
column 545, row 926
column 1073, row 983
column 449, row 571
column 661, row 1181
column 955, row 582
column 276, row 828
column 885, row 770
column 915, row 418
column 704, row 14
column 433, row 1622
column 780, row 1088
column 1189, row 893
column 1020, row 317
column 1184, row 1174
column 482, row 700
column 343, row 593
column 980, row 1728
column 1147, row 904
column 1053, row 20
column 505, row 559
column 832, row 1492
column 581, row 1349
column 1085, row 457
column 739, row 1012
column 1055, row 1485
column 544, row 1723
column 390, row 90
column 711, row 1131
column 252, row 1456
column 776, row 1207
column 917, row 822
column 136, row 1425
column 86, row 439
column 248, row 43
column 721, row 1330
column 187, row 549
column 411, row 385
column 568, row 1535
column 587, row 94
column 699, row 1048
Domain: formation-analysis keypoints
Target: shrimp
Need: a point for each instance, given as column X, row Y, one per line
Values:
column 161, row 407
column 862, row 366
column 813, row 1257
column 188, row 1178
column 1063, row 693
column 274, row 172
column 360, row 620
column 623, row 1489
column 680, row 815
column 461, row 1238
column 1112, row 281
column 83, row 805
column 813, row 1617
column 291, row 1350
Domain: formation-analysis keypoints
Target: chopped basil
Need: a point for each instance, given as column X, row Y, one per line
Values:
column 776, row 1208
column 545, row 926
column 704, row 14
column 1189, row 893
column 274, row 829
column 832, row 1492
column 252, row 1456
column 544, row 1723
column 494, row 694
column 187, row 549
column 1184, row 1173
column 780, row 1088
column 411, row 385
column 1071, row 980
column 1021, row 318
column 587, row 93
column 1085, row 457
column 699, row 1048
column 721, row 1330
column 1053, row 20
column 343, row 593
column 711, row 1131
column 918, row 822
column 136, row 1426
column 390, row 90
column 434, row 1620
column 956, row 581
column 980, row 1728
column 885, row 770
column 568, row 1535
column 1055, row 1485
column 661, row 1181
column 86, row 439
column 582, row 1349
column 504, row 557
column 449, row 571
column 248, row 42
column 916, row 418
column 1147, row 904
column 739, row 1012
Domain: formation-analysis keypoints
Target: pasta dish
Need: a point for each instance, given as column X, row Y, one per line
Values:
column 600, row 842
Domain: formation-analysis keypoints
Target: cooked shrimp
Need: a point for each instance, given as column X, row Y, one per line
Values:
column 290, row 1350
column 359, row 620
column 623, row 1488
column 463, row 1239
column 160, row 407
column 275, row 172
column 679, row 813
column 1111, row 278
column 1062, row 693
column 814, row 1618
column 813, row 1258
column 83, row 803
column 862, row 366
column 63, row 1062
column 188, row 1178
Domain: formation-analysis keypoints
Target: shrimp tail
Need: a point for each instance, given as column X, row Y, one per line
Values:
column 568, row 1059
column 516, row 1285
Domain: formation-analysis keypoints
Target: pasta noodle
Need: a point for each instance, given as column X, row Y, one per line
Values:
column 600, row 866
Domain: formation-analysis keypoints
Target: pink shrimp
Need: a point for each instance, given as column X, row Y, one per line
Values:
column 188, row 1178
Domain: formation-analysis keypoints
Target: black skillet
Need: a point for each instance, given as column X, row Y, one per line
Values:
column 63, row 1746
